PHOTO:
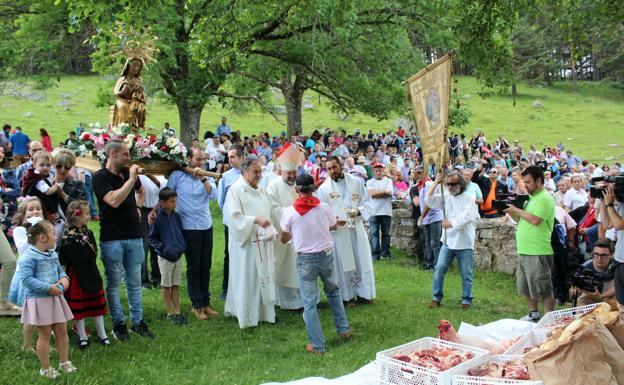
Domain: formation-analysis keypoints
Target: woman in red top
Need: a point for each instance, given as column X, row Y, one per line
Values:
column 46, row 141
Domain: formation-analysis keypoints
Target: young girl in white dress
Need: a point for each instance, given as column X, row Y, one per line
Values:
column 30, row 209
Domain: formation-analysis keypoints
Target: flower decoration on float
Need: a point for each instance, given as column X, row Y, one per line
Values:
column 144, row 145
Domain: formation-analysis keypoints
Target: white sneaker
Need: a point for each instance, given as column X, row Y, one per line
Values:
column 49, row 373
column 67, row 367
column 530, row 318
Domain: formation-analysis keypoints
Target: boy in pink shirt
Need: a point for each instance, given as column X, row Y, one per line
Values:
column 308, row 223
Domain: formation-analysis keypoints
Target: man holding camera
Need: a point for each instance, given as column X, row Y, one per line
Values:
column 601, row 268
column 533, row 240
column 612, row 215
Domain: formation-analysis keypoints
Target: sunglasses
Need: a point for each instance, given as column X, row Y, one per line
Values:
column 59, row 166
column 452, row 184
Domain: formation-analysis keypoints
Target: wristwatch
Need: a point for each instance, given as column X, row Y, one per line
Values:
column 610, row 205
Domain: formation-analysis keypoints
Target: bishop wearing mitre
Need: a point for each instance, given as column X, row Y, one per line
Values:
column 282, row 192
column 351, row 204
column 252, row 291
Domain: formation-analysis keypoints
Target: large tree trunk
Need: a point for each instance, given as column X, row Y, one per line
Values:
column 293, row 98
column 190, row 115
column 293, row 112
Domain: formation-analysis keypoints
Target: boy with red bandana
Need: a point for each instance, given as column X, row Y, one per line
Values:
column 308, row 223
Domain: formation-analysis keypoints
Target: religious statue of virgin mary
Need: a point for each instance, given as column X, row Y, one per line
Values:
column 130, row 99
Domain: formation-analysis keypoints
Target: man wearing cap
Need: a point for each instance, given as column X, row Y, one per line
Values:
column 282, row 192
column 350, row 201
column 380, row 190
column 265, row 149
column 308, row 223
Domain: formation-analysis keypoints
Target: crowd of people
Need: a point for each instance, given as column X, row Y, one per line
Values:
column 294, row 209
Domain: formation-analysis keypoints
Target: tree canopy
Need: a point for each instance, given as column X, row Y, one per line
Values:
column 354, row 53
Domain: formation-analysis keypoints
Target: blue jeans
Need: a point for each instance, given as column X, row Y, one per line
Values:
column 123, row 258
column 464, row 259
column 431, row 243
column 592, row 236
column 377, row 223
column 89, row 187
column 309, row 268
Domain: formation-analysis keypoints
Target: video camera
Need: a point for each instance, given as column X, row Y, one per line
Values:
column 598, row 186
column 509, row 199
column 588, row 279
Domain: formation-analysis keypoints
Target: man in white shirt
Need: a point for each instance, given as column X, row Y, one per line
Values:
column 380, row 190
column 151, row 187
column 215, row 152
column 576, row 196
column 458, row 235
column 562, row 187
column 355, row 169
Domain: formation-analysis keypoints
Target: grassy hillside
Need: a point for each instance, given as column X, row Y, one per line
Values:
column 586, row 122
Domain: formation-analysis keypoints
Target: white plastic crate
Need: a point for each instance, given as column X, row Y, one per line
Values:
column 470, row 380
column 394, row 372
column 554, row 318
column 534, row 337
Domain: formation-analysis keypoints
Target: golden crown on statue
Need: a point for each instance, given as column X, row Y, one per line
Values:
column 139, row 45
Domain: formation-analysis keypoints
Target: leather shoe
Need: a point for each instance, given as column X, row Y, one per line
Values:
column 310, row 349
column 465, row 306
column 199, row 314
column 210, row 312
column 434, row 304
column 346, row 335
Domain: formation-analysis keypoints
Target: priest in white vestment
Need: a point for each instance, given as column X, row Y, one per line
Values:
column 252, row 291
column 349, row 201
column 282, row 192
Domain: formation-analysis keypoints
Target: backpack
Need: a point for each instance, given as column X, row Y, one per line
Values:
column 561, row 264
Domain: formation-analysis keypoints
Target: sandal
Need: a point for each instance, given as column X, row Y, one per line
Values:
column 49, row 373
column 67, row 367
column 8, row 306
column 104, row 341
column 82, row 344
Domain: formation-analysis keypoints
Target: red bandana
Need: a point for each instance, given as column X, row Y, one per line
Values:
column 305, row 204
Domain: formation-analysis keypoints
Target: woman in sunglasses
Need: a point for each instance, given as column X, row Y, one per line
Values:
column 71, row 187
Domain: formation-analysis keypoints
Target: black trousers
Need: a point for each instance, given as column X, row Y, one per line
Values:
column 226, row 260
column 198, row 265
column 146, row 277
column 619, row 281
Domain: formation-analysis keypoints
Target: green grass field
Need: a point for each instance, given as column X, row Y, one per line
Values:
column 586, row 122
column 216, row 351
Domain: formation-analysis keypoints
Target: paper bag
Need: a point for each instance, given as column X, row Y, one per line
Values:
column 617, row 330
column 613, row 353
column 586, row 359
